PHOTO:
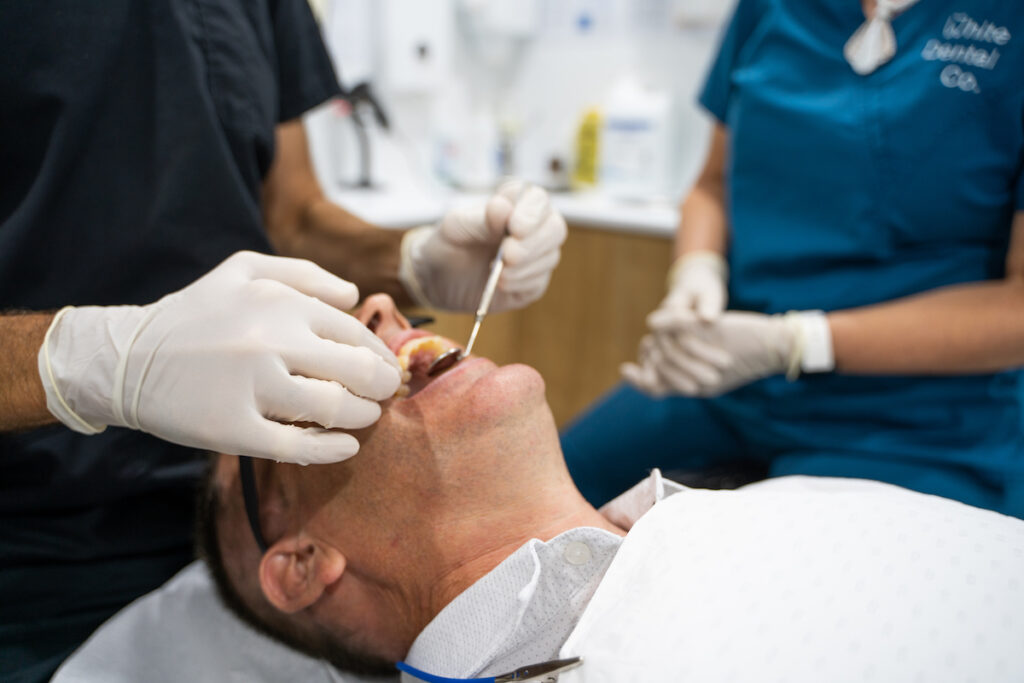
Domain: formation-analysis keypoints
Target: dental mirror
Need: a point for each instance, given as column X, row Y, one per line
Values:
column 444, row 361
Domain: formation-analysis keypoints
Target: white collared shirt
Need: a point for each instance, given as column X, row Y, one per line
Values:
column 524, row 609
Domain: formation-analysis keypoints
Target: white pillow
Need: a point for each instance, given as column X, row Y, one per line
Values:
column 182, row 632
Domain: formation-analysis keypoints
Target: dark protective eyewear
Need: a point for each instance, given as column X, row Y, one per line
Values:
column 251, row 499
column 245, row 472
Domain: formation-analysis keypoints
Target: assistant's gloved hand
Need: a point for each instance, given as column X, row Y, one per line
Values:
column 697, row 282
column 446, row 267
column 222, row 363
column 685, row 355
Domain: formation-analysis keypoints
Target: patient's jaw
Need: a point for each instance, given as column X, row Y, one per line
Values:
column 446, row 485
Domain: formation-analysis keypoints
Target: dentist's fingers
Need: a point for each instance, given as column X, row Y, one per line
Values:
column 546, row 238
column 529, row 275
column 498, row 212
column 345, row 329
column 301, row 275
column 468, row 226
column 361, row 371
column 530, row 213
column 301, row 399
column 304, row 445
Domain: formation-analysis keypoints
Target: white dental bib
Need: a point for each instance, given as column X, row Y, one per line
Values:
column 809, row 580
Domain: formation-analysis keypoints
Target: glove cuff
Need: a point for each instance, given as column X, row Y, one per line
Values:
column 705, row 258
column 82, row 362
column 54, row 347
column 812, row 348
column 412, row 243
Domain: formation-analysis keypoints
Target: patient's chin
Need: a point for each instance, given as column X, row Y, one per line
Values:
column 507, row 392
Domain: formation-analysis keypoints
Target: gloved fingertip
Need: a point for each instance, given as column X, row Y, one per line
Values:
column 633, row 376
column 530, row 213
column 334, row 450
column 348, row 295
column 498, row 214
column 389, row 378
column 512, row 251
column 629, row 370
column 689, row 389
column 511, row 188
column 708, row 311
column 660, row 319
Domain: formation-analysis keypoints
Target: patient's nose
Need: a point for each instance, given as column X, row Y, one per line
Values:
column 381, row 315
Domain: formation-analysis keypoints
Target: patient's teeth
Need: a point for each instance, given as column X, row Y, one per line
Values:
column 403, row 391
column 432, row 344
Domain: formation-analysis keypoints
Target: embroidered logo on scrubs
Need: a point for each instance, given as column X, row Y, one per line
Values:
column 967, row 46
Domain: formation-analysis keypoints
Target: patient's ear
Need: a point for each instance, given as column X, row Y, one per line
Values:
column 296, row 570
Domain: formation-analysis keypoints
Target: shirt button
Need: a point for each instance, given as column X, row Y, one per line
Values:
column 577, row 553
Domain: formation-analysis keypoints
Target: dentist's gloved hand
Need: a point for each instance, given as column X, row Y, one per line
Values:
column 697, row 282
column 685, row 355
column 221, row 364
column 446, row 267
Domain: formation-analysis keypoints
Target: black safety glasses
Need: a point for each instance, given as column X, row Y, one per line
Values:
column 251, row 499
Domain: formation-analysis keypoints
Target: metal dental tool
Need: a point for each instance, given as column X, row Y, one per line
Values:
column 453, row 356
column 444, row 361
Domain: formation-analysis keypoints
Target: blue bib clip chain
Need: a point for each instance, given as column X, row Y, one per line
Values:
column 545, row 672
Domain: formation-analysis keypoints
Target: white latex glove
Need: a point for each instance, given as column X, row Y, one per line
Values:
column 684, row 355
column 697, row 282
column 221, row 364
column 446, row 267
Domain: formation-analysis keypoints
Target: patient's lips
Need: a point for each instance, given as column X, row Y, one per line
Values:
column 415, row 354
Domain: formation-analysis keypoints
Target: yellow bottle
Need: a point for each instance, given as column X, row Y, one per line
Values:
column 588, row 147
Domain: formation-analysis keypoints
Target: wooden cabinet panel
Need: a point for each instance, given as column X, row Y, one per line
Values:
column 586, row 325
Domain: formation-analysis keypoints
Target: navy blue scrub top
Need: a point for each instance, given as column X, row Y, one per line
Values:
column 134, row 137
column 848, row 190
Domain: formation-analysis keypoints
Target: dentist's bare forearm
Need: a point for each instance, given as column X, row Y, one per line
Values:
column 703, row 225
column 301, row 222
column 966, row 329
column 351, row 248
column 22, row 400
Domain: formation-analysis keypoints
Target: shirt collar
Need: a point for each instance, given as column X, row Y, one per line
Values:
column 525, row 608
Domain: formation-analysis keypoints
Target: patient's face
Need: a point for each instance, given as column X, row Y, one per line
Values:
column 439, row 461
column 473, row 403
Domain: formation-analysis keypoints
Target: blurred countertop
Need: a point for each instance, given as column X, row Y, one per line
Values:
column 404, row 207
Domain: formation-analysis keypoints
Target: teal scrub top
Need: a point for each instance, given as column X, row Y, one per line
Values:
column 848, row 190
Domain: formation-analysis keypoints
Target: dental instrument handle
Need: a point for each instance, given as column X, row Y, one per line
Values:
column 497, row 265
column 485, row 301
column 472, row 336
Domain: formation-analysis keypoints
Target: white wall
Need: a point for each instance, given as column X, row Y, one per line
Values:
column 665, row 43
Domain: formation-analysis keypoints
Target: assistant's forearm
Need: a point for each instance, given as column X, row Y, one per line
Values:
column 347, row 246
column 964, row 329
column 703, row 224
column 22, row 399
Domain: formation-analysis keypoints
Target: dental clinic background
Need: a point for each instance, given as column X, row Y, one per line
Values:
column 594, row 100
column 845, row 178
column 793, row 244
